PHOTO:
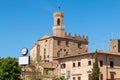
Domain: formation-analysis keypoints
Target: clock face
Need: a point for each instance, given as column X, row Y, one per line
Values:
column 24, row 51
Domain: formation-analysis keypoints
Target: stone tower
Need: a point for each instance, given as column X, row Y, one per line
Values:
column 114, row 45
column 58, row 27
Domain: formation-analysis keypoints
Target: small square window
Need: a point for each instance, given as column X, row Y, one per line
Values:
column 89, row 62
column 63, row 65
column 64, row 49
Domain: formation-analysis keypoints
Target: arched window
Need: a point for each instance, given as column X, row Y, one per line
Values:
column 58, row 22
column 44, row 53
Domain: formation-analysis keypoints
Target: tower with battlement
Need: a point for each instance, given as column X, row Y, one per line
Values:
column 60, row 44
column 114, row 45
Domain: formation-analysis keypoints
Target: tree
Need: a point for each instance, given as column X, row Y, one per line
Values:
column 9, row 69
column 59, row 78
column 96, row 69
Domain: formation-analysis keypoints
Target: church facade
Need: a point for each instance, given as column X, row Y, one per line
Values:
column 63, row 54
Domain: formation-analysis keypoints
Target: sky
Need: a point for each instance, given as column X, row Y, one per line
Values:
column 23, row 22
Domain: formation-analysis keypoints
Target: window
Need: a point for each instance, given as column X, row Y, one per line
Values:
column 58, row 22
column 79, row 78
column 89, row 62
column 68, row 74
column 101, row 63
column 101, row 76
column 64, row 49
column 79, row 64
column 111, row 64
column 44, row 53
column 66, row 54
column 38, row 49
column 112, row 76
column 58, row 42
column 63, row 65
column 73, row 64
column 67, row 43
column 89, row 77
column 73, row 78
column 79, row 45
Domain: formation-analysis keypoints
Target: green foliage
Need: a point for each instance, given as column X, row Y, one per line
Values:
column 95, row 70
column 46, row 71
column 9, row 69
column 59, row 78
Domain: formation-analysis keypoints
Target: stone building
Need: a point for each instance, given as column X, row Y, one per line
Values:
column 63, row 54
column 60, row 44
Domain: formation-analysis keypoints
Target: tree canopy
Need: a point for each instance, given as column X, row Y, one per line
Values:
column 96, row 69
column 9, row 69
column 59, row 78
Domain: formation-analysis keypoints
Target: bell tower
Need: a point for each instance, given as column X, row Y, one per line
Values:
column 58, row 27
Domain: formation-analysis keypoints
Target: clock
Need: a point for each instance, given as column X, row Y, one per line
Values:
column 24, row 51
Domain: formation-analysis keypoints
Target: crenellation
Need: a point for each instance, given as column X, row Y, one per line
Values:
column 77, row 37
column 86, row 37
column 65, row 34
column 69, row 35
column 83, row 36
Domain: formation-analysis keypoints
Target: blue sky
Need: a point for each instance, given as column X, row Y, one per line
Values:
column 22, row 22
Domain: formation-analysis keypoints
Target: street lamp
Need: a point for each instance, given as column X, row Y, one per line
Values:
column 24, row 60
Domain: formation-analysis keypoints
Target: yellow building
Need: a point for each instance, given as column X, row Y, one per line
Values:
column 79, row 67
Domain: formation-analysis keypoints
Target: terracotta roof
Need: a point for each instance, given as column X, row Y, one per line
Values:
column 107, row 53
column 90, row 53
